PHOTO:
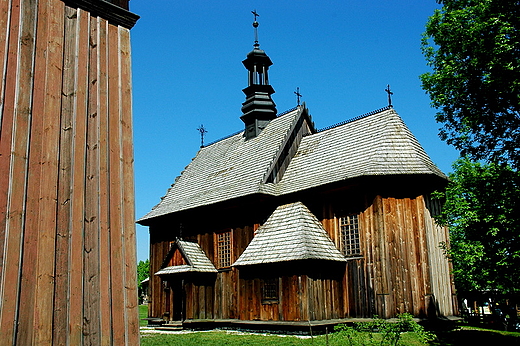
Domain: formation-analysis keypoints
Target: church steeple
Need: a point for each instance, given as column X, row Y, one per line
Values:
column 258, row 109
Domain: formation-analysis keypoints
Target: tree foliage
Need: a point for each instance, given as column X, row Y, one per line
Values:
column 143, row 271
column 473, row 47
column 482, row 210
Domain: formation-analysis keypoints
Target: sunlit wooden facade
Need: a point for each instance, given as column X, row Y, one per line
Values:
column 286, row 224
column 393, row 264
column 67, row 238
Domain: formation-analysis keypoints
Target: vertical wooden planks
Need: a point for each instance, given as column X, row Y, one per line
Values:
column 130, row 287
column 29, row 274
column 19, row 217
column 61, row 291
column 49, row 160
column 92, row 221
column 79, row 324
column 115, row 189
column 442, row 289
column 50, row 156
column 5, row 16
column 45, row 162
column 51, row 218
column 104, row 258
column 16, row 118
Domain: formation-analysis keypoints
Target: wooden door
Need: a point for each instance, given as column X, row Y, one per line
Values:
column 178, row 300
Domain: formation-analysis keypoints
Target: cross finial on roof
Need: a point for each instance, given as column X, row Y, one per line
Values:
column 298, row 95
column 202, row 131
column 390, row 93
column 255, row 14
column 255, row 25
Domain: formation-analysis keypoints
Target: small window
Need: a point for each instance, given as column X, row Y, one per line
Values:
column 270, row 291
column 224, row 249
column 349, row 237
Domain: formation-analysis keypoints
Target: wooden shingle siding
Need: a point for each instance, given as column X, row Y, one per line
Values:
column 67, row 242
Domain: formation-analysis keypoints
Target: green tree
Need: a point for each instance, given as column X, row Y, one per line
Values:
column 143, row 271
column 473, row 47
column 482, row 210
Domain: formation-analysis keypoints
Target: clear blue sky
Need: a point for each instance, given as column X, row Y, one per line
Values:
column 187, row 71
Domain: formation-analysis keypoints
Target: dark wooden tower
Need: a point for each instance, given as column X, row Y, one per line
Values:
column 258, row 109
column 67, row 234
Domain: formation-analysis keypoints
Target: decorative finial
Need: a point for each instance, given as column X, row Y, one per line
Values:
column 298, row 95
column 202, row 131
column 390, row 93
column 255, row 25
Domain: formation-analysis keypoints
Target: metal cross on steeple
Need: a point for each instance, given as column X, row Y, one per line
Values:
column 390, row 93
column 255, row 25
column 202, row 131
column 255, row 14
column 298, row 95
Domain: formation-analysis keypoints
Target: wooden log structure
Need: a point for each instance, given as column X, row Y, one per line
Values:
column 67, row 234
column 292, row 224
column 402, row 267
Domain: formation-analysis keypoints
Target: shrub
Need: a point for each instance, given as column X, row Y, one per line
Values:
column 382, row 332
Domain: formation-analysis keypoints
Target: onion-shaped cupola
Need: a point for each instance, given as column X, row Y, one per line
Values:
column 258, row 109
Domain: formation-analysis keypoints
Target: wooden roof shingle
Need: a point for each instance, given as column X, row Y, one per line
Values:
column 291, row 233
column 195, row 257
column 377, row 144
column 231, row 168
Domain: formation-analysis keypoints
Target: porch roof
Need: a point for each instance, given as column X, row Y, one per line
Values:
column 196, row 259
column 291, row 233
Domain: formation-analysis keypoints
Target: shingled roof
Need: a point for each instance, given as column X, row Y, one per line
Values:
column 291, row 233
column 194, row 256
column 376, row 144
column 232, row 167
column 379, row 144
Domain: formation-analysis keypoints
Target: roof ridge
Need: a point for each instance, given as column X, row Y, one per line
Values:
column 356, row 118
column 283, row 142
column 236, row 133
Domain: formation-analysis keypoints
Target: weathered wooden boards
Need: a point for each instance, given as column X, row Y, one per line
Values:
column 402, row 268
column 67, row 246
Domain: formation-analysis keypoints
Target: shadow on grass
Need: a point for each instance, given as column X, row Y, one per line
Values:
column 476, row 337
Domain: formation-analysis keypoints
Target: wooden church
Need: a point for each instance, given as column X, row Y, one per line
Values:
column 283, row 223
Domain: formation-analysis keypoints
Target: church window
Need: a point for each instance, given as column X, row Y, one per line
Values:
column 349, row 235
column 223, row 249
column 270, row 293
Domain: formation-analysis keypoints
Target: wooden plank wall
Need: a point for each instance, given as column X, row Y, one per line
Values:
column 159, row 248
column 442, row 285
column 67, row 241
column 403, row 267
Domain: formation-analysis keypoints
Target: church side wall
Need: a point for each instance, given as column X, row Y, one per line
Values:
column 443, row 296
column 402, row 267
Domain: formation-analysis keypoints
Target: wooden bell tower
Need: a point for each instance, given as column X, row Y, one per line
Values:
column 67, row 234
column 259, row 108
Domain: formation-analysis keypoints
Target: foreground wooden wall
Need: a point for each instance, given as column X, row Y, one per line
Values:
column 67, row 242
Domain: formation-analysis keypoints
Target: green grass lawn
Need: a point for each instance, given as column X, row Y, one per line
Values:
column 462, row 336
column 476, row 336
column 236, row 339
column 143, row 313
